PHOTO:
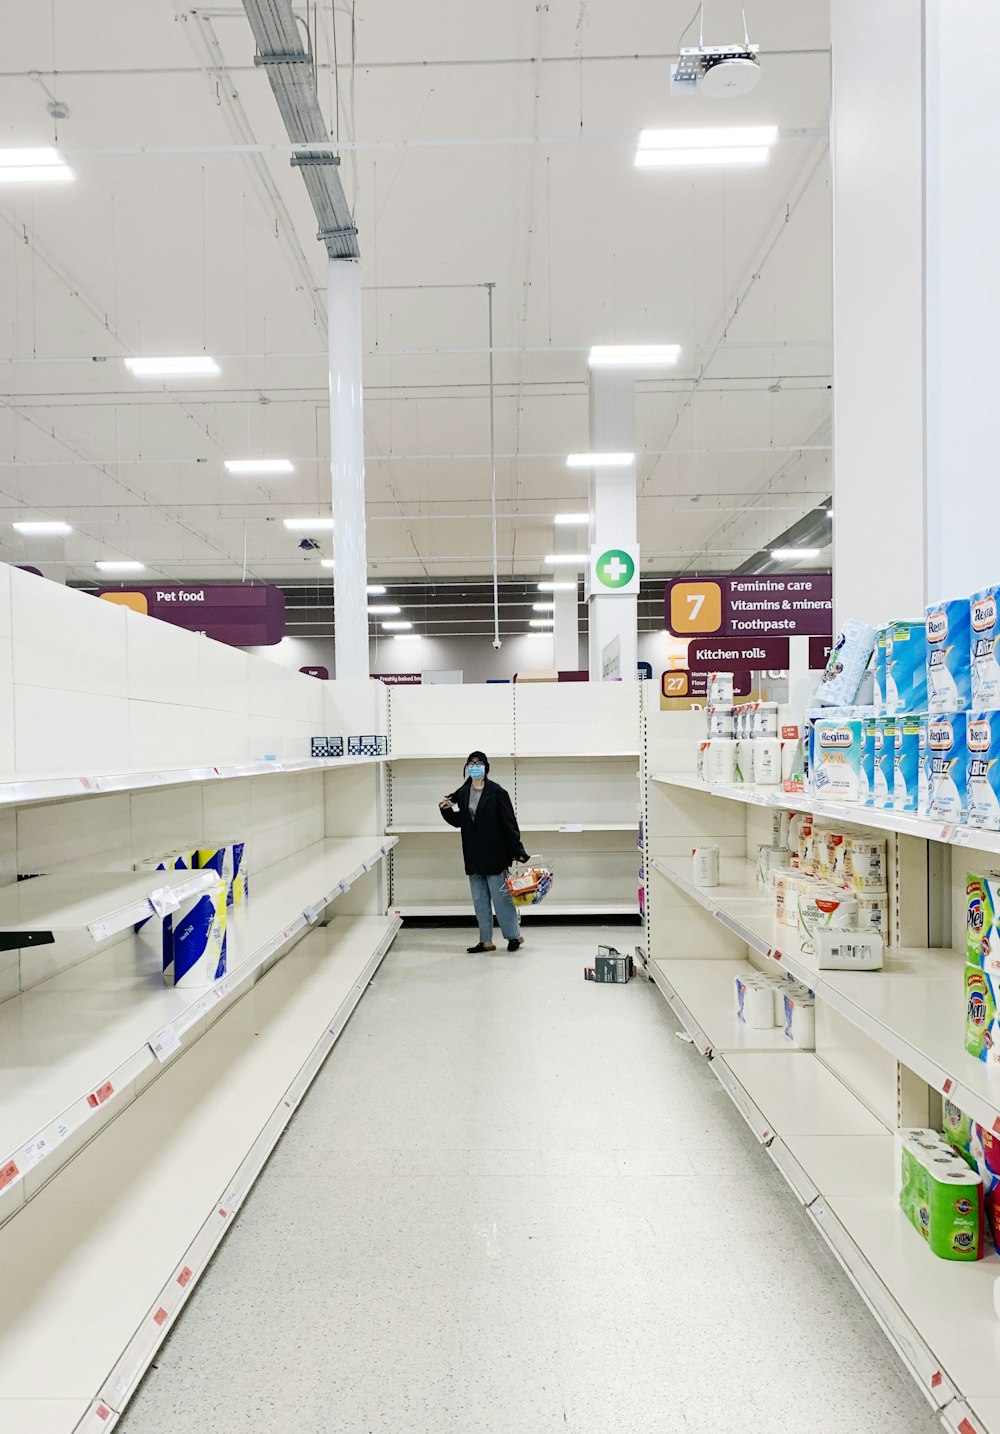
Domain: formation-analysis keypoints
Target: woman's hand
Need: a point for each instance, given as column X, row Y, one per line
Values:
column 445, row 802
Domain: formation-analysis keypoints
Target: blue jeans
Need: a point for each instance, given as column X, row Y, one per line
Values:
column 494, row 888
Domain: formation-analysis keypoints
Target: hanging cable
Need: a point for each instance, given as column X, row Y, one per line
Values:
column 493, row 478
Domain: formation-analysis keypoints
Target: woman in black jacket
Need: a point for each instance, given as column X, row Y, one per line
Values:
column 491, row 840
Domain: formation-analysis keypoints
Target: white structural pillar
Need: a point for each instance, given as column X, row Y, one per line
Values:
column 347, row 470
column 612, row 617
column 566, row 605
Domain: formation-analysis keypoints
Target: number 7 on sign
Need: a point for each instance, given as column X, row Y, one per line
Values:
column 694, row 609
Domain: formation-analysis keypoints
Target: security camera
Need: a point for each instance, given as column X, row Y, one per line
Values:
column 497, row 643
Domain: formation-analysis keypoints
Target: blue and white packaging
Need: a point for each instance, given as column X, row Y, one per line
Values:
column 866, row 784
column 885, row 755
column 947, row 763
column 982, row 734
column 878, row 668
column 836, row 758
column 846, row 665
column 196, row 953
column 229, row 859
column 923, row 776
column 906, row 766
column 949, row 669
column 906, row 668
column 984, row 635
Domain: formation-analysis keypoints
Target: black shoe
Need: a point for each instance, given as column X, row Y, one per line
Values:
column 482, row 946
column 516, row 944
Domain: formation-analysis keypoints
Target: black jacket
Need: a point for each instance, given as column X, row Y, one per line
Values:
column 491, row 839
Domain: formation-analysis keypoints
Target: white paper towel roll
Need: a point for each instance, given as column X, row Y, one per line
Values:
column 705, row 866
column 720, row 763
column 767, row 761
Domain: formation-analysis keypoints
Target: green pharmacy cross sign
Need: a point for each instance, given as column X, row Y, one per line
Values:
column 614, row 570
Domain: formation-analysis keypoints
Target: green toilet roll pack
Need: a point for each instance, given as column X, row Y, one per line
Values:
column 940, row 1195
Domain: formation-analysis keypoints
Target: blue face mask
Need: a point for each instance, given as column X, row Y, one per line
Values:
column 476, row 771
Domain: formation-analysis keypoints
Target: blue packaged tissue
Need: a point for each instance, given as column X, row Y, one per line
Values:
column 983, row 773
column 878, row 668
column 885, row 755
column 846, row 665
column 866, row 787
column 923, row 772
column 949, row 668
column 836, row 758
column 984, row 634
column 906, row 766
column 906, row 667
column 947, row 761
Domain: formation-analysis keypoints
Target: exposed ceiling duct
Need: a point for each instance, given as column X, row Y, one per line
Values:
column 292, row 73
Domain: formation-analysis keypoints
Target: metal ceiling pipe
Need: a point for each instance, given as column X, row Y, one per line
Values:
column 292, row 72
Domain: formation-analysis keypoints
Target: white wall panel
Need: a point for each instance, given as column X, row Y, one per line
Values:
column 162, row 662
column 55, row 735
column 67, row 640
column 95, row 833
column 562, row 717
column 224, row 676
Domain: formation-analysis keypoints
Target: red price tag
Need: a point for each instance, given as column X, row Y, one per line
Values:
column 160, row 1317
column 184, row 1278
column 948, row 1086
column 966, row 1428
column 103, row 1412
column 789, row 734
column 100, row 1095
column 8, row 1173
column 936, row 1379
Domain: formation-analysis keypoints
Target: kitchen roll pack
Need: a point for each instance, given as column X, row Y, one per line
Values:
column 949, row 675
column 846, row 665
column 195, row 954
column 229, row 859
column 940, row 1195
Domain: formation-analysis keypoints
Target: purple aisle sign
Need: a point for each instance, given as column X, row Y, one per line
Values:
column 751, row 605
column 399, row 679
column 819, row 651
column 680, row 682
column 738, row 654
column 240, row 616
column 323, row 673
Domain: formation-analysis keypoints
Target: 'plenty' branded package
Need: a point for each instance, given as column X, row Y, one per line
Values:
column 982, row 735
column 980, row 916
column 906, row 766
column 836, row 759
column 947, row 762
column 949, row 672
column 981, row 1036
column 985, row 631
column 906, row 667
column 940, row 1195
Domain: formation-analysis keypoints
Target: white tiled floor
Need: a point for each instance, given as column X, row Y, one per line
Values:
column 514, row 1203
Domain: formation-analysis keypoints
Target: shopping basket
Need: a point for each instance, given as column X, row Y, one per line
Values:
column 530, row 883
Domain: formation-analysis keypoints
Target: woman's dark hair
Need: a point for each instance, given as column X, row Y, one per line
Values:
column 482, row 758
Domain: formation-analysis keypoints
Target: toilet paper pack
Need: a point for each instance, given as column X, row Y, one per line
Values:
column 754, row 1002
column 906, row 764
column 949, row 671
column 229, row 859
column 885, row 749
column 866, row 774
column 940, row 1196
column 906, row 667
column 196, row 952
column 800, row 1017
column 865, row 864
column 835, row 759
column 982, row 1039
column 873, row 912
column 947, row 763
column 923, row 774
column 982, row 736
column 846, row 665
column 878, row 668
column 985, row 630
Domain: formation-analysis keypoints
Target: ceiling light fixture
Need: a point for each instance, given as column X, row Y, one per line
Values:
column 33, row 166
column 543, row 607
column 557, row 587
column 249, row 467
column 683, row 148
column 306, row 525
column 572, row 520
column 633, row 355
column 408, row 637
column 196, row 366
column 540, row 622
column 328, row 563
column 791, row 554
column 42, row 530
column 387, row 609
column 599, row 460
column 552, row 560
column 120, row 565
column 374, row 589
column 396, row 626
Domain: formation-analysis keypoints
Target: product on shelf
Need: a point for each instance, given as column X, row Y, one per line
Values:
column 982, row 1038
column 780, row 829
column 743, row 766
column 821, row 908
column 326, row 746
column 947, row 763
column 861, row 950
column 985, row 631
column 766, row 758
column 835, row 758
column 799, row 827
column 846, row 665
column 720, row 721
column 770, row 859
column 754, row 1002
column 229, row 859
column 906, row 667
column 701, row 761
column 939, row 1195
column 957, row 1127
column 374, row 746
column 764, row 722
column 705, row 866
column 906, row 764
column 720, row 689
column 799, row 1016
column 949, row 674
column 720, row 761
column 984, row 1154
column 980, row 915
column 873, row 912
column 878, row 668
column 181, row 860
column 923, row 775
column 864, row 864
column 982, row 736
column 793, row 762
column 610, row 967
column 885, row 751
column 195, row 954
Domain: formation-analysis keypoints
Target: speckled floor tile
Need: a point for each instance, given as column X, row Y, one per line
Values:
column 514, row 1203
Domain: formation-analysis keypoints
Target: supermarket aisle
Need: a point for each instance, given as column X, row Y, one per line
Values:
column 514, row 1203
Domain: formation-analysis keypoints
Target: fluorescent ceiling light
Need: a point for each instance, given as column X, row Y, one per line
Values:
column 633, row 355
column 572, row 520
column 543, row 607
column 599, row 460
column 552, row 560
column 540, row 622
column 374, row 589
column 328, row 563
column 681, row 148
column 396, row 626
column 305, row 525
column 33, row 166
column 408, row 637
column 557, row 587
column 387, row 609
column 42, row 530
column 197, row 366
column 248, row 467
column 120, row 565
column 790, row 554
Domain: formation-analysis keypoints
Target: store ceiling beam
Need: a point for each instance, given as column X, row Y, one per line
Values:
column 291, row 71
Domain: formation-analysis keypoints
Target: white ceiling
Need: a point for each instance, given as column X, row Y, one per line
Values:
column 494, row 143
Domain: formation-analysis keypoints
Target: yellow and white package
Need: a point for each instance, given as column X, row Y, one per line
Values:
column 229, row 859
column 195, row 953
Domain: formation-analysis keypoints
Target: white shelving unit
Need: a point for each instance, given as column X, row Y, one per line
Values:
column 889, row 1044
column 569, row 756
